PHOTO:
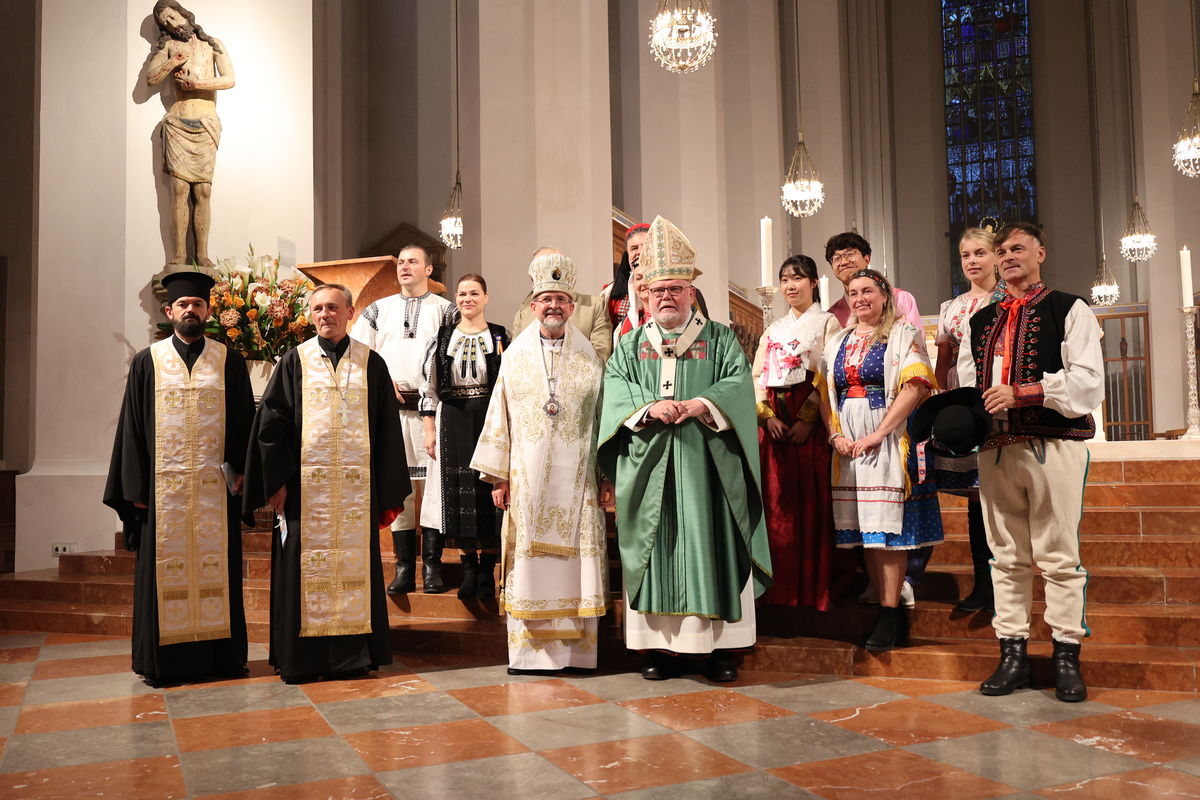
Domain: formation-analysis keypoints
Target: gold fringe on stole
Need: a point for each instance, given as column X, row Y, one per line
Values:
column 335, row 494
column 191, row 522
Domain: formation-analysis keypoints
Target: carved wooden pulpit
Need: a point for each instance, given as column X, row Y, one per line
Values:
column 368, row 279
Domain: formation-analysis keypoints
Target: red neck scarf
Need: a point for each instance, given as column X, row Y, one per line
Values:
column 1013, row 306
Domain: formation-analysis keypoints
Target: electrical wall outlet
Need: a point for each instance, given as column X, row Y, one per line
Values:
column 58, row 548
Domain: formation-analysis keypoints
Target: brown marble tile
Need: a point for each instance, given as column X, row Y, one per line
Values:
column 91, row 714
column 518, row 698
column 1100, row 522
column 149, row 778
column 11, row 694
column 427, row 662
column 1130, row 733
column 918, row 687
column 358, row 787
column 1143, row 784
column 894, row 774
column 1106, row 472
column 1183, row 585
column 1135, row 698
column 425, row 745
column 750, row 677
column 1129, row 495
column 219, row 731
column 18, row 655
column 628, row 764
column 183, row 687
column 906, row 722
column 80, row 667
column 362, row 688
column 1163, row 471
column 77, row 638
column 1158, row 523
column 686, row 712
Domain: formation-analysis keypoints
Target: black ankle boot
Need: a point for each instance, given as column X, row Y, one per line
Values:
column 1068, row 680
column 431, row 561
column 981, row 597
column 470, row 581
column 485, row 583
column 1013, row 672
column 891, row 629
column 405, row 545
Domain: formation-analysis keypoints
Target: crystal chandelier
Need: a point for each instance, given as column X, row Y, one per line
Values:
column 451, row 227
column 683, row 35
column 1187, row 144
column 1105, row 289
column 1138, row 243
column 803, row 194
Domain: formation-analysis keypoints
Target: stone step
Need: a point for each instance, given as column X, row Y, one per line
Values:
column 1181, row 550
column 1105, row 521
column 1169, row 585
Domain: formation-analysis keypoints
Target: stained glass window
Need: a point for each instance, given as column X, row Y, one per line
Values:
column 989, row 117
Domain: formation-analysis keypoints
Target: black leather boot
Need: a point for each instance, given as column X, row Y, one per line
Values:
column 1068, row 680
column 470, row 581
column 405, row 545
column 1013, row 672
column 981, row 597
column 485, row 583
column 431, row 561
column 891, row 630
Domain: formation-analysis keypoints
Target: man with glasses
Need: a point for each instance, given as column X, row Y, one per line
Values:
column 538, row 448
column 679, row 436
column 590, row 316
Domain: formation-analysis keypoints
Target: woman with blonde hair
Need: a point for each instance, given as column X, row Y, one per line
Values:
column 877, row 373
column 960, row 476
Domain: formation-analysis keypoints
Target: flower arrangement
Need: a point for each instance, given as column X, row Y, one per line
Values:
column 258, row 310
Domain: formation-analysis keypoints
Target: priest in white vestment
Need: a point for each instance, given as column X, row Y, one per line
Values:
column 538, row 448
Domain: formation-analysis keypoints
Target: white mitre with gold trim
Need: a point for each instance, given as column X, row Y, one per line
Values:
column 667, row 254
column 553, row 272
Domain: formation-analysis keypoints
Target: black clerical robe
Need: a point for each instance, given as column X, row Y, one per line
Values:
column 273, row 461
column 131, row 481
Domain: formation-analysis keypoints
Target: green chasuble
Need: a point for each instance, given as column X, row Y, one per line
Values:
column 689, row 506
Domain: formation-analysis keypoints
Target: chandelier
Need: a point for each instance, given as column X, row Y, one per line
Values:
column 451, row 226
column 683, row 35
column 802, row 193
column 1187, row 144
column 1138, row 243
column 1105, row 289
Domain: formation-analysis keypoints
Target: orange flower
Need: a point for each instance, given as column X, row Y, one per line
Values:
column 232, row 333
column 227, row 299
column 239, row 301
column 303, row 320
column 277, row 323
column 252, row 314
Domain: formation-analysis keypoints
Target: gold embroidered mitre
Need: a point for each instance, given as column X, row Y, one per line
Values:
column 553, row 272
column 668, row 255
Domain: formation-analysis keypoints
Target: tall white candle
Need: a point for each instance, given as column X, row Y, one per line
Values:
column 1185, row 275
column 823, row 283
column 764, row 249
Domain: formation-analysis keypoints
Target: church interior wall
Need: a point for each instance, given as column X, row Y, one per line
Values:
column 18, row 174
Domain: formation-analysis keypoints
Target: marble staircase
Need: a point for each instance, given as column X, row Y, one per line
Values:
column 1140, row 543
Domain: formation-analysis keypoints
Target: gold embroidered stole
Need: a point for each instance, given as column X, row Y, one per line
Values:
column 335, row 494
column 191, row 522
column 670, row 354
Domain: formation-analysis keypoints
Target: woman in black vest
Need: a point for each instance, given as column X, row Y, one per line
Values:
column 460, row 371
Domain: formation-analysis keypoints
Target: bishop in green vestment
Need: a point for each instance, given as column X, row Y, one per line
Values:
column 678, row 435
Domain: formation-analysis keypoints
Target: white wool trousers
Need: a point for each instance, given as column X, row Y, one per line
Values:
column 1032, row 495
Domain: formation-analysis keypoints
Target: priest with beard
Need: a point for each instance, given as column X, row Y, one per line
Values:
column 327, row 454
column 178, row 456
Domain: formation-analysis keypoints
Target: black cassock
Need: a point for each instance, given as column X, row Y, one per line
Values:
column 273, row 461
column 131, row 480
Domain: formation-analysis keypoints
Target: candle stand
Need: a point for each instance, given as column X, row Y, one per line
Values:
column 766, row 295
column 1189, row 350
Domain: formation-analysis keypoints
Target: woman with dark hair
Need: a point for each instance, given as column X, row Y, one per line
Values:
column 793, row 442
column 878, row 373
column 460, row 371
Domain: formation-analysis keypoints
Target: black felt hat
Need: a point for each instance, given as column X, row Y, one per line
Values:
column 954, row 422
column 188, row 284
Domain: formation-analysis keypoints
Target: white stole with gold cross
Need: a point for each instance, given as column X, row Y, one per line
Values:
column 335, row 493
column 669, row 354
column 191, row 522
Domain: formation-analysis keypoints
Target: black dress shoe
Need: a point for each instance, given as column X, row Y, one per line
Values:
column 1013, row 672
column 980, row 599
column 1068, row 680
column 657, row 667
column 721, row 668
column 546, row 672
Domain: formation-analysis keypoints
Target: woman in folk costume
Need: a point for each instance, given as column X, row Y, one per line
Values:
column 878, row 372
column 460, row 372
column 624, row 297
column 960, row 476
column 793, row 441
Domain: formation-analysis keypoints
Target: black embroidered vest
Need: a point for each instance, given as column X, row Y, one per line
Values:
column 443, row 362
column 1037, row 350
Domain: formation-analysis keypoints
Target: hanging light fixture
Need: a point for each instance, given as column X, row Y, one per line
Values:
column 451, row 226
column 1186, row 155
column 802, row 193
column 683, row 35
column 1138, row 242
column 1105, row 289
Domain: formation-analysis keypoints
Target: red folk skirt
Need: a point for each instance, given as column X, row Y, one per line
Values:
column 798, row 505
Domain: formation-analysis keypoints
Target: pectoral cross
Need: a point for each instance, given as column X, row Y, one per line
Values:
column 344, row 415
column 668, row 352
column 666, row 386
